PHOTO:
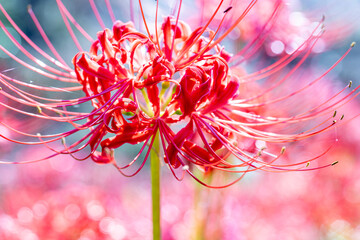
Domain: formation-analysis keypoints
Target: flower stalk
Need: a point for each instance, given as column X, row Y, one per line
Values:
column 155, row 187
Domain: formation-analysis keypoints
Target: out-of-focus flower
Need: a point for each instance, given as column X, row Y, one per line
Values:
column 67, row 200
column 278, row 27
column 174, row 81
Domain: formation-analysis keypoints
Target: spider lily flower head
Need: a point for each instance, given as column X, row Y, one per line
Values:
column 140, row 84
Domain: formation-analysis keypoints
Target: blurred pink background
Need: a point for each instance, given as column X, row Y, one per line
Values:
column 64, row 199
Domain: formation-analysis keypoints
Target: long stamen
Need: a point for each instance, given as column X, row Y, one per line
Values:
column 97, row 15
column 110, row 10
column 23, row 35
column 132, row 11
column 66, row 15
column 156, row 25
column 247, row 10
column 146, row 26
column 144, row 20
column 183, row 51
column 66, row 22
column 175, row 30
column 37, row 70
column 46, row 39
column 308, row 85
column 259, row 39
column 206, row 47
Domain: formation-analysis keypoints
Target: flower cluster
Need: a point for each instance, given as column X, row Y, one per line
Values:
column 59, row 199
column 144, row 87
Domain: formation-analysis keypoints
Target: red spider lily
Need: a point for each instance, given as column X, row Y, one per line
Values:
column 141, row 84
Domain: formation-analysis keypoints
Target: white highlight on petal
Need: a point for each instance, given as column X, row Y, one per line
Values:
column 41, row 63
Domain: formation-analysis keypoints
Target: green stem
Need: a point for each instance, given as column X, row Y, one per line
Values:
column 155, row 187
